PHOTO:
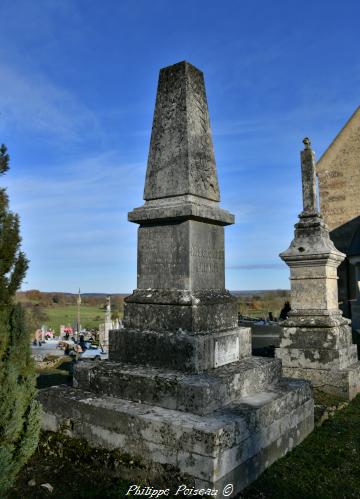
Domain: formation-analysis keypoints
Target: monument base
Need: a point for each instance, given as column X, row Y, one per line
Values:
column 229, row 447
column 180, row 350
column 344, row 383
column 199, row 394
column 320, row 349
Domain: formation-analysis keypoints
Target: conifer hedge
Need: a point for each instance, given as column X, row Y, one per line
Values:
column 19, row 411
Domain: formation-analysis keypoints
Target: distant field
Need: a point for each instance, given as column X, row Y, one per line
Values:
column 56, row 308
column 91, row 316
column 260, row 303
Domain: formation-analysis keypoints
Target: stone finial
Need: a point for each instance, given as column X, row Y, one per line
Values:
column 308, row 163
column 181, row 157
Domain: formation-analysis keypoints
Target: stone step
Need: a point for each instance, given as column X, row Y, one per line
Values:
column 198, row 394
column 232, row 445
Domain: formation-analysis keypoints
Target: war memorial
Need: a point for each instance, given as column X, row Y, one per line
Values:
column 181, row 394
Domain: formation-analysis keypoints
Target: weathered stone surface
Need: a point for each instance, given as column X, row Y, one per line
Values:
column 302, row 336
column 313, row 260
column 207, row 409
column 207, row 311
column 187, row 255
column 181, row 208
column 308, row 178
column 339, row 176
column 315, row 338
column 199, row 394
column 181, row 235
column 239, row 441
column 341, row 382
column 181, row 157
column 178, row 350
column 317, row 358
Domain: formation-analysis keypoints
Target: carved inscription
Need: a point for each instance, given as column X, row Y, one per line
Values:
column 162, row 261
column 226, row 350
column 207, row 259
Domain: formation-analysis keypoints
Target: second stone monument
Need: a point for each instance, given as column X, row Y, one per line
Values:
column 316, row 341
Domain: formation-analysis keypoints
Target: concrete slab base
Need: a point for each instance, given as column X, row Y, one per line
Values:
column 344, row 383
column 232, row 445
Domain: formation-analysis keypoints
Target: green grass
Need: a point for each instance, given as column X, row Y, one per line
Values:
column 91, row 316
column 325, row 466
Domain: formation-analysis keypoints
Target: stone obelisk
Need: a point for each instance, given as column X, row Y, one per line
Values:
column 181, row 393
column 315, row 340
column 180, row 306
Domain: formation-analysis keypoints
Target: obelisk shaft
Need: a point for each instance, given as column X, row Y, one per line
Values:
column 181, row 157
column 181, row 267
column 308, row 163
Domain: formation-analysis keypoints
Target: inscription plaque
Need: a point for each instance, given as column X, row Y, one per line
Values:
column 226, row 350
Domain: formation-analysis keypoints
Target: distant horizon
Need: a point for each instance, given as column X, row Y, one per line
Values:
column 129, row 292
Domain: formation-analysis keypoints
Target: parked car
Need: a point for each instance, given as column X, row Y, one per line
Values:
column 94, row 353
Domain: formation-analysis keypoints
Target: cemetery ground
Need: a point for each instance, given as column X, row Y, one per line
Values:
column 326, row 465
column 66, row 314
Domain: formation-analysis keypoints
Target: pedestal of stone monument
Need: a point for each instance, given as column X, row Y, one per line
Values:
column 181, row 394
column 316, row 341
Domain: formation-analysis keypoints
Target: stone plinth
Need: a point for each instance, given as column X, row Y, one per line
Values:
column 233, row 445
column 181, row 350
column 316, row 341
column 181, row 393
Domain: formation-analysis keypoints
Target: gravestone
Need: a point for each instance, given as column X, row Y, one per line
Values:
column 315, row 340
column 181, row 394
column 106, row 326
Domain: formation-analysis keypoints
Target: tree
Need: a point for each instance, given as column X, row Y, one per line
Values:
column 19, row 411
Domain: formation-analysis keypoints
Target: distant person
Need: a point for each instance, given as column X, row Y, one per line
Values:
column 82, row 342
column 271, row 317
column 285, row 311
column 67, row 349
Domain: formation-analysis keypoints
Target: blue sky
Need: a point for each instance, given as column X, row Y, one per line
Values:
column 77, row 91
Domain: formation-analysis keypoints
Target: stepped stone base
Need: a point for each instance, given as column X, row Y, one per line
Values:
column 195, row 393
column 232, row 445
column 344, row 383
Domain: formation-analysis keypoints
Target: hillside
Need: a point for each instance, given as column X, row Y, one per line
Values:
column 53, row 309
